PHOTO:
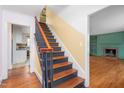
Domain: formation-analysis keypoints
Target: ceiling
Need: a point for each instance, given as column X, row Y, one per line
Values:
column 88, row 8
column 32, row 10
column 58, row 8
column 107, row 20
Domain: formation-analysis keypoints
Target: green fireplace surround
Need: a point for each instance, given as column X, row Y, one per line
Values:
column 98, row 43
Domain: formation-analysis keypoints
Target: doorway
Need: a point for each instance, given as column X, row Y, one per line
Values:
column 20, row 46
column 106, row 52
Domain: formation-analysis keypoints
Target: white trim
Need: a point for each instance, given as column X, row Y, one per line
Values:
column 81, row 72
column 15, row 18
column 87, row 66
column 0, row 80
column 38, row 76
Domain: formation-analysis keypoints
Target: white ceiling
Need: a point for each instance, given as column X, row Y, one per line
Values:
column 58, row 8
column 110, row 19
column 88, row 8
column 32, row 10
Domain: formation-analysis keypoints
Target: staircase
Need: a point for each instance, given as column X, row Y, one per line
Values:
column 64, row 75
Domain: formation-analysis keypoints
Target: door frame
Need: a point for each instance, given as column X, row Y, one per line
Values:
column 15, row 18
column 11, row 48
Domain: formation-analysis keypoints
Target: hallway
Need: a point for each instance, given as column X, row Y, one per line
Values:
column 21, row 78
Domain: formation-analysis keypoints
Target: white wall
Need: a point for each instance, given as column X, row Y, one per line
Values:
column 0, row 45
column 15, row 18
column 31, row 10
column 107, row 20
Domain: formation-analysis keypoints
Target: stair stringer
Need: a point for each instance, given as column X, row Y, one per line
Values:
column 36, row 52
column 81, row 72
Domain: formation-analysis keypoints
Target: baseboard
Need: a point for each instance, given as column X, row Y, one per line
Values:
column 81, row 72
column 1, row 79
column 0, row 82
column 38, row 76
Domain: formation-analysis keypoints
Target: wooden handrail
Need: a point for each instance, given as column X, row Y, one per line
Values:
column 49, row 48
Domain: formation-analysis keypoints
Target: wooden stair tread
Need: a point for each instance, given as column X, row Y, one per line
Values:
column 53, row 42
column 57, row 51
column 59, row 57
column 63, row 74
column 71, row 83
column 61, row 64
column 49, row 35
column 55, row 46
column 50, row 38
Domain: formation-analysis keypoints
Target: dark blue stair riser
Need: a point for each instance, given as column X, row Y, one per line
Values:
column 54, row 45
column 60, row 69
column 60, row 60
column 52, row 40
column 55, row 61
column 58, row 54
column 47, row 31
column 57, row 48
column 47, row 27
column 61, row 80
column 50, row 37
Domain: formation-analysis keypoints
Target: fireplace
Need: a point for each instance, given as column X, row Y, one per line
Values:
column 110, row 52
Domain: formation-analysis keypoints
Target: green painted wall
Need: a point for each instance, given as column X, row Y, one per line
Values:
column 93, row 45
column 111, row 40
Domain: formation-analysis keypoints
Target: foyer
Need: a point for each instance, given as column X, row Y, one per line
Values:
column 57, row 51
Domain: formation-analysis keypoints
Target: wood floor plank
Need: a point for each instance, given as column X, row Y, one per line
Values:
column 106, row 72
column 21, row 78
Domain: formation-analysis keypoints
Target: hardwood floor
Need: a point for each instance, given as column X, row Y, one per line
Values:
column 106, row 72
column 21, row 78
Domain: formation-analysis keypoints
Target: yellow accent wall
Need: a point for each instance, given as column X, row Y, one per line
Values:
column 72, row 39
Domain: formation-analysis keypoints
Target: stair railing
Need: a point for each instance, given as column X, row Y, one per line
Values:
column 45, row 54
